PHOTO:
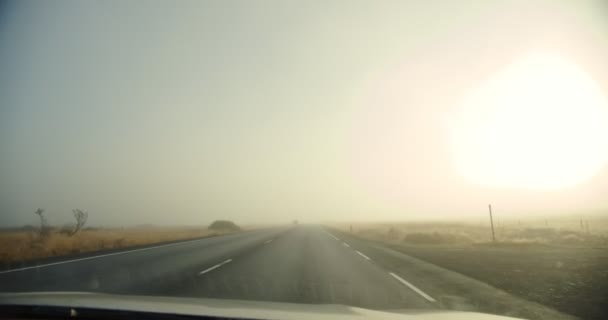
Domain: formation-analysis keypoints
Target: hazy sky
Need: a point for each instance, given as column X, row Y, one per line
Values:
column 178, row 112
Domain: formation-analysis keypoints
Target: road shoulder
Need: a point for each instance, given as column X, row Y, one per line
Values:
column 452, row 290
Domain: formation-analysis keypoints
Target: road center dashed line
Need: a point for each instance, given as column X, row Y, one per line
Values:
column 364, row 256
column 214, row 267
column 411, row 286
column 268, row 241
column 346, row 244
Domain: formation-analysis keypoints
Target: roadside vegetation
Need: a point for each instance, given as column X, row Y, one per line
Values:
column 36, row 242
column 22, row 244
column 572, row 231
column 224, row 226
column 561, row 264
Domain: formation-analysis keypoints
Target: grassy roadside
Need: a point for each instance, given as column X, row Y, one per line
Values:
column 20, row 246
column 569, row 278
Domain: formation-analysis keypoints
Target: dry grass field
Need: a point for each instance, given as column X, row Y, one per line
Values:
column 557, row 263
column 24, row 245
column 556, row 231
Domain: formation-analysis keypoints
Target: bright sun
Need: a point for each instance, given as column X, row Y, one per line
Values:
column 541, row 123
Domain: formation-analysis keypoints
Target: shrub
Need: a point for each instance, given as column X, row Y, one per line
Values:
column 392, row 234
column 224, row 225
column 436, row 238
column 44, row 226
column 545, row 233
column 421, row 238
column 371, row 233
column 571, row 238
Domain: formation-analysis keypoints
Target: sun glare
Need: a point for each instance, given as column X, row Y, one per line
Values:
column 541, row 123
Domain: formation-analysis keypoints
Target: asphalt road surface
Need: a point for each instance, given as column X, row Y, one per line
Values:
column 301, row 264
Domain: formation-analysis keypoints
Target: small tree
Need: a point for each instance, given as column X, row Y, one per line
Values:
column 81, row 218
column 224, row 225
column 43, row 231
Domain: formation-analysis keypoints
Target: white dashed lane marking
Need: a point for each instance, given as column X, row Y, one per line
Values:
column 214, row 267
column 331, row 235
column 364, row 256
column 411, row 286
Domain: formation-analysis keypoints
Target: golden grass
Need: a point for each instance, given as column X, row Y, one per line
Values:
column 27, row 245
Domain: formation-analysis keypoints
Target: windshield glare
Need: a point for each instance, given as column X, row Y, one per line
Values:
column 397, row 156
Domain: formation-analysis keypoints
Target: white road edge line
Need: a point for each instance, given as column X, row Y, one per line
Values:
column 364, row 256
column 411, row 286
column 214, row 267
column 268, row 241
column 346, row 244
column 99, row 256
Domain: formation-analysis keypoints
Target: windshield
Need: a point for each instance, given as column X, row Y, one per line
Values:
column 388, row 155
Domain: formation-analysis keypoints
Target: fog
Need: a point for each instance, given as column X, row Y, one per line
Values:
column 185, row 112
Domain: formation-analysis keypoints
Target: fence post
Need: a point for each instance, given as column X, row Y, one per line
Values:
column 492, row 223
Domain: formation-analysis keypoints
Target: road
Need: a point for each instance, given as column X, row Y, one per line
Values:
column 301, row 264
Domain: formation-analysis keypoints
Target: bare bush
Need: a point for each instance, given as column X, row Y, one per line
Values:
column 81, row 218
column 44, row 229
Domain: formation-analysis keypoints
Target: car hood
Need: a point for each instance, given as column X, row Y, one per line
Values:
column 224, row 308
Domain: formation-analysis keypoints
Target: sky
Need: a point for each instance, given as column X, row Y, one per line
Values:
column 177, row 113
